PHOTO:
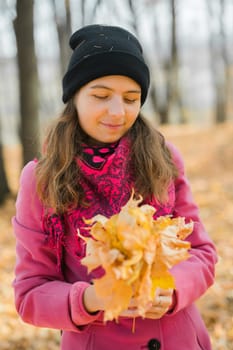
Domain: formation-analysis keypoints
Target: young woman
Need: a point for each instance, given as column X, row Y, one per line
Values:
column 95, row 153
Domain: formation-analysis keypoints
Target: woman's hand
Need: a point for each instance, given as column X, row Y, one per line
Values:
column 90, row 300
column 162, row 303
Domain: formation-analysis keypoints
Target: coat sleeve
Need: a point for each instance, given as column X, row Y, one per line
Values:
column 195, row 275
column 42, row 296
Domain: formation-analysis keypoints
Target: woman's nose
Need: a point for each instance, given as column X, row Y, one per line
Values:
column 116, row 106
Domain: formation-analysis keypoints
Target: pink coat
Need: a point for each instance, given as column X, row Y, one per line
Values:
column 45, row 296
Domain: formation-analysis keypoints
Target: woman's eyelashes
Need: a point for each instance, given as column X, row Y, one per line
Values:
column 125, row 99
column 101, row 97
column 130, row 100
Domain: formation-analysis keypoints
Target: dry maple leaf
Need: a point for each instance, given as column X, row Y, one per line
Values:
column 136, row 253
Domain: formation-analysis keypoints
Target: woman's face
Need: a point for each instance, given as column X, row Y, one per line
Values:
column 108, row 106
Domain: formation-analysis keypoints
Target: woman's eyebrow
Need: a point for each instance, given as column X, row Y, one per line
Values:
column 99, row 86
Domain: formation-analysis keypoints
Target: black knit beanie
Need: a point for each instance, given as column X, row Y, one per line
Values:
column 100, row 50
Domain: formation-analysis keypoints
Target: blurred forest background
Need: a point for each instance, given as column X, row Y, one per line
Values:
column 188, row 47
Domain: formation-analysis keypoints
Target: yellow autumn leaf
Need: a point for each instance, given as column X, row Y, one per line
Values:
column 116, row 294
column 136, row 253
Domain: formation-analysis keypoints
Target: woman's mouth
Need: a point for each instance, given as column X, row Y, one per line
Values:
column 112, row 125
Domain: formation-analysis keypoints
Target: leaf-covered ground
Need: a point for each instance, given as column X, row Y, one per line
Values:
column 208, row 155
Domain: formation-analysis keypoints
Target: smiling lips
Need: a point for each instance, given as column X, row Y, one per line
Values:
column 112, row 126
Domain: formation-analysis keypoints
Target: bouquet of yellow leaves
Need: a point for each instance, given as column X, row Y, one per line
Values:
column 136, row 253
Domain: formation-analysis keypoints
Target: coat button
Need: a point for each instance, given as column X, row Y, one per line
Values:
column 153, row 344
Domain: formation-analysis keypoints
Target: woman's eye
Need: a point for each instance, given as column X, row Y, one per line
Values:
column 130, row 100
column 101, row 97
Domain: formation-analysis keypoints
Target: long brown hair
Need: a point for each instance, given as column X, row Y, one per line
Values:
column 58, row 175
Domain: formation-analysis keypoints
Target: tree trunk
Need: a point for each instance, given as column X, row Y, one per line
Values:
column 173, row 88
column 28, row 80
column 226, row 85
column 63, row 25
column 94, row 10
column 152, row 91
column 218, row 63
column 4, row 188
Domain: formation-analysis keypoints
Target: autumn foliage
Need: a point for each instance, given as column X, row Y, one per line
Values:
column 136, row 253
